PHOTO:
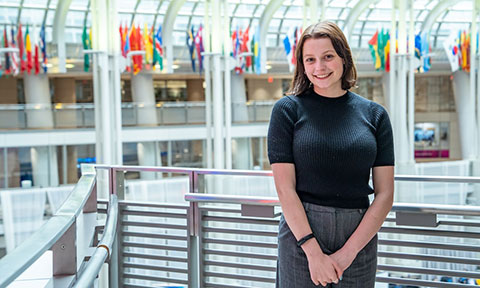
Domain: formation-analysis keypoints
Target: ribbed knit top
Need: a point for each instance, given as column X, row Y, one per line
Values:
column 334, row 143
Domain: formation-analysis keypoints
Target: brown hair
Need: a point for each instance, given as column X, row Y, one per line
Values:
column 325, row 29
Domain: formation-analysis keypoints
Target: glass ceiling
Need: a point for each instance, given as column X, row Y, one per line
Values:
column 243, row 13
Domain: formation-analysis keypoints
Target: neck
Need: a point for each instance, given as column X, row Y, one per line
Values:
column 332, row 93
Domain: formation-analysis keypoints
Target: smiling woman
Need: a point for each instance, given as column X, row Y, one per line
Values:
column 323, row 142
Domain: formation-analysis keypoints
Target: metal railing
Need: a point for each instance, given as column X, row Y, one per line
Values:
column 58, row 234
column 82, row 115
column 209, row 238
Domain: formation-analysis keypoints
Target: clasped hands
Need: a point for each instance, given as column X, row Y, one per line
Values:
column 325, row 269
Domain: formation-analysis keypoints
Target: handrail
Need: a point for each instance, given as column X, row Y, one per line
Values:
column 273, row 201
column 16, row 262
column 234, row 172
column 104, row 248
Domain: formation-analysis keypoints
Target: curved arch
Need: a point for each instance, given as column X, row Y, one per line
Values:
column 433, row 15
column 352, row 18
column 264, row 22
column 58, row 32
column 167, row 30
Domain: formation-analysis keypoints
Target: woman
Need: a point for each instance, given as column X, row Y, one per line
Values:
column 323, row 141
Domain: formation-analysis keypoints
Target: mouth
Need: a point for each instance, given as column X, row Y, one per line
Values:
column 323, row 76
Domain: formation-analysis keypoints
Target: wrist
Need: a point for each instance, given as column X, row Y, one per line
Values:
column 311, row 247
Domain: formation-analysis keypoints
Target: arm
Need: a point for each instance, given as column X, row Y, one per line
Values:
column 373, row 218
column 322, row 268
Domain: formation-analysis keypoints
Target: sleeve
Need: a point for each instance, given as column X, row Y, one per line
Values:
column 280, row 131
column 384, row 136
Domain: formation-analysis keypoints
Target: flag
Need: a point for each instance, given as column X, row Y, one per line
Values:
column 381, row 42
column 236, row 36
column 199, row 47
column 190, row 44
column 36, row 60
column 43, row 48
column 126, row 48
column 252, row 49
column 86, row 46
column 426, row 50
column 147, row 46
column 14, row 57
column 28, row 49
column 257, row 52
column 7, row 56
column 21, row 47
column 373, row 45
column 158, row 50
column 245, row 38
column 451, row 49
column 138, row 63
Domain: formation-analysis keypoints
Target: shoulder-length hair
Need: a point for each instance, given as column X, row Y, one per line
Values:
column 326, row 29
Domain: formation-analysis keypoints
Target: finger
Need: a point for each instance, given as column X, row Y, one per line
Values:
column 316, row 282
column 338, row 270
column 323, row 284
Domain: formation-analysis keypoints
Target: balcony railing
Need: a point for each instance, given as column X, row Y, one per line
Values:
column 82, row 115
column 203, row 236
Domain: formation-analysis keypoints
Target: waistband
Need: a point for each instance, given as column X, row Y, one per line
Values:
column 328, row 209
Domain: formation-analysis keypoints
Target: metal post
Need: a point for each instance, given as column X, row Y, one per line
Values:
column 5, row 165
column 186, row 111
column 194, row 262
column 64, row 163
column 65, row 253
column 117, row 186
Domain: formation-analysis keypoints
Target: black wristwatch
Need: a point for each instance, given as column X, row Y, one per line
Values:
column 305, row 239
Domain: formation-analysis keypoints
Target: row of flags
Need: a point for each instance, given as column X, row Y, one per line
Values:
column 457, row 47
column 32, row 51
column 379, row 46
column 246, row 52
column 133, row 39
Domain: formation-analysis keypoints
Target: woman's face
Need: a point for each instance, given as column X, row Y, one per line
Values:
column 323, row 67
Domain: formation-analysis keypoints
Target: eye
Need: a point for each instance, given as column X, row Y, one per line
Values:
column 329, row 56
column 309, row 59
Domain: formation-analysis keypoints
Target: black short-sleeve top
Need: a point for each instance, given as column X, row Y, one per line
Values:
column 333, row 143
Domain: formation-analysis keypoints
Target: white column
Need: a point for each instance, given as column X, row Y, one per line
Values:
column 106, row 76
column 39, row 115
column 241, row 146
column 44, row 166
column 144, row 97
column 466, row 117
column 37, row 98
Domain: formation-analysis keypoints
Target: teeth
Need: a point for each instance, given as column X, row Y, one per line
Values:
column 322, row 76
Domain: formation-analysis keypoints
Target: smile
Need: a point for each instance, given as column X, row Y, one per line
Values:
column 322, row 76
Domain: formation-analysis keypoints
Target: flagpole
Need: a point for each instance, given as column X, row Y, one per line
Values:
column 411, row 87
column 227, row 88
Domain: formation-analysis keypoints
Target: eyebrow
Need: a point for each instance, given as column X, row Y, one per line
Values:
column 328, row 51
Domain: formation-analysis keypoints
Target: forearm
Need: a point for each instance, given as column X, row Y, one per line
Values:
column 371, row 223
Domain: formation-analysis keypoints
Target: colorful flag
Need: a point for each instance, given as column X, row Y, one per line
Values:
column 138, row 63
column 426, row 50
column 36, row 60
column 257, row 52
column 252, row 49
column 86, row 46
column 21, row 47
column 7, row 56
column 244, row 48
column 451, row 49
column 147, row 46
column 190, row 44
column 43, row 48
column 387, row 53
column 373, row 45
column 158, row 50
column 14, row 57
column 199, row 47
column 28, row 49
column 126, row 48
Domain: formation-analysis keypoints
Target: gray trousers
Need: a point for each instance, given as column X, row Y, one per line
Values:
column 332, row 228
